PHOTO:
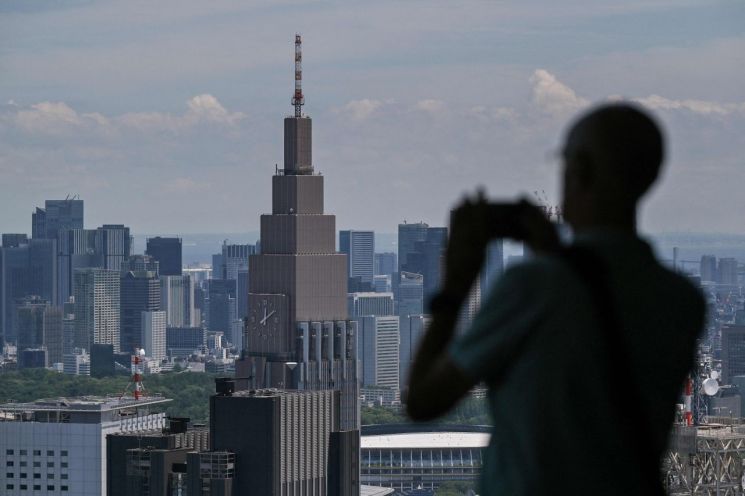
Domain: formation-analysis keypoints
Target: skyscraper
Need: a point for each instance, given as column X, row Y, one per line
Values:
column 362, row 304
column 40, row 325
column 385, row 264
column 359, row 246
column 232, row 264
column 57, row 215
column 297, row 332
column 13, row 286
column 141, row 262
column 178, row 301
column 708, row 268
column 727, row 271
column 412, row 329
column 421, row 250
column 30, row 322
column 167, row 251
column 14, row 240
column 76, row 250
column 282, row 442
column 114, row 243
column 378, row 349
column 221, row 304
column 140, row 292
column 97, row 307
column 409, row 235
column 410, row 294
column 25, row 270
column 154, row 334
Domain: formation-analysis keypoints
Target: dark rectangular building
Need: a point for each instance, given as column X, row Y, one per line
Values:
column 167, row 251
column 178, row 435
column 140, row 292
column 286, row 442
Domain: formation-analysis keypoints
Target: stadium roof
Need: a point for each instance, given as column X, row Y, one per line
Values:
column 427, row 440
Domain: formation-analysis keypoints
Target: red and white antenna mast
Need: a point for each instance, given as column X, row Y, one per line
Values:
column 298, row 100
column 136, row 380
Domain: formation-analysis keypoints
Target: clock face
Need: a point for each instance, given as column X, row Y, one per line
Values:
column 265, row 316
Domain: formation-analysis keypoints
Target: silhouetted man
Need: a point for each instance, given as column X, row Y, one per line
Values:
column 584, row 348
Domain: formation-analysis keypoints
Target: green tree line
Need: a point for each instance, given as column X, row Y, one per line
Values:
column 189, row 391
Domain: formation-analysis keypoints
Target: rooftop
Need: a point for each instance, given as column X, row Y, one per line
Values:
column 427, row 440
column 84, row 403
column 375, row 491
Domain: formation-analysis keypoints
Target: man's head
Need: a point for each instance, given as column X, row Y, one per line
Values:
column 612, row 155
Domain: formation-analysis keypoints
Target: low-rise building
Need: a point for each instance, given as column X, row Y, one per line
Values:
column 58, row 446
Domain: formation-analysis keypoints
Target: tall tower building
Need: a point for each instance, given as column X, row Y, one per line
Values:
column 359, row 246
column 140, row 292
column 57, row 215
column 97, row 300
column 297, row 332
column 114, row 243
column 421, row 250
column 178, row 300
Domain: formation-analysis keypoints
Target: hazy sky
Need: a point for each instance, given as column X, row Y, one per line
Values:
column 167, row 115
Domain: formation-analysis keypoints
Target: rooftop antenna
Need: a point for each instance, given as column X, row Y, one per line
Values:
column 138, row 389
column 298, row 100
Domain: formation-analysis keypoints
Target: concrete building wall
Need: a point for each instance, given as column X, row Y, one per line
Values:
column 297, row 195
column 285, row 234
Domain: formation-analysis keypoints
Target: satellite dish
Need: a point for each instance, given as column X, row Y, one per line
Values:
column 710, row 386
column 714, row 374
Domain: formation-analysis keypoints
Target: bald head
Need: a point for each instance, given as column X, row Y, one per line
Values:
column 613, row 155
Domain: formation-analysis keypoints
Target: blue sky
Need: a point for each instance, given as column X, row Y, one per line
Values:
column 167, row 116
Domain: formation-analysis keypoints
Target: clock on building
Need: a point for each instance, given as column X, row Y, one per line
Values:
column 267, row 316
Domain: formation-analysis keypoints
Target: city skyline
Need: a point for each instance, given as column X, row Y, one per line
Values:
column 416, row 100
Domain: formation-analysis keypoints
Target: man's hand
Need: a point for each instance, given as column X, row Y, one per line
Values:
column 468, row 237
column 535, row 229
column 474, row 223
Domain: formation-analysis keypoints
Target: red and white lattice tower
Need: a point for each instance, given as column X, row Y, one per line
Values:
column 298, row 100
column 138, row 389
column 688, row 399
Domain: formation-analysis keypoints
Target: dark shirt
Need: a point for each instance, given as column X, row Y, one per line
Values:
column 536, row 343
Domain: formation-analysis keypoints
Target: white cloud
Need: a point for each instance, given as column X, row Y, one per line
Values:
column 430, row 105
column 553, row 96
column 59, row 117
column 206, row 107
column 362, row 109
column 47, row 116
column 657, row 102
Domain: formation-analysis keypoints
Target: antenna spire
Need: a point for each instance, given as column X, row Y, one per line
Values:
column 298, row 100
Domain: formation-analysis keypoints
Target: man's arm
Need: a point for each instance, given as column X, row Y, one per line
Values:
column 436, row 383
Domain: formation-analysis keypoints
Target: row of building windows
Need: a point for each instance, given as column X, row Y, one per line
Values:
column 23, row 463
column 23, row 475
column 35, row 487
column 24, row 452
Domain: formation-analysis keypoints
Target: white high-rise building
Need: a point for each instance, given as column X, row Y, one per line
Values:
column 97, row 304
column 360, row 249
column 154, row 334
column 378, row 349
column 362, row 304
column 58, row 447
column 177, row 300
